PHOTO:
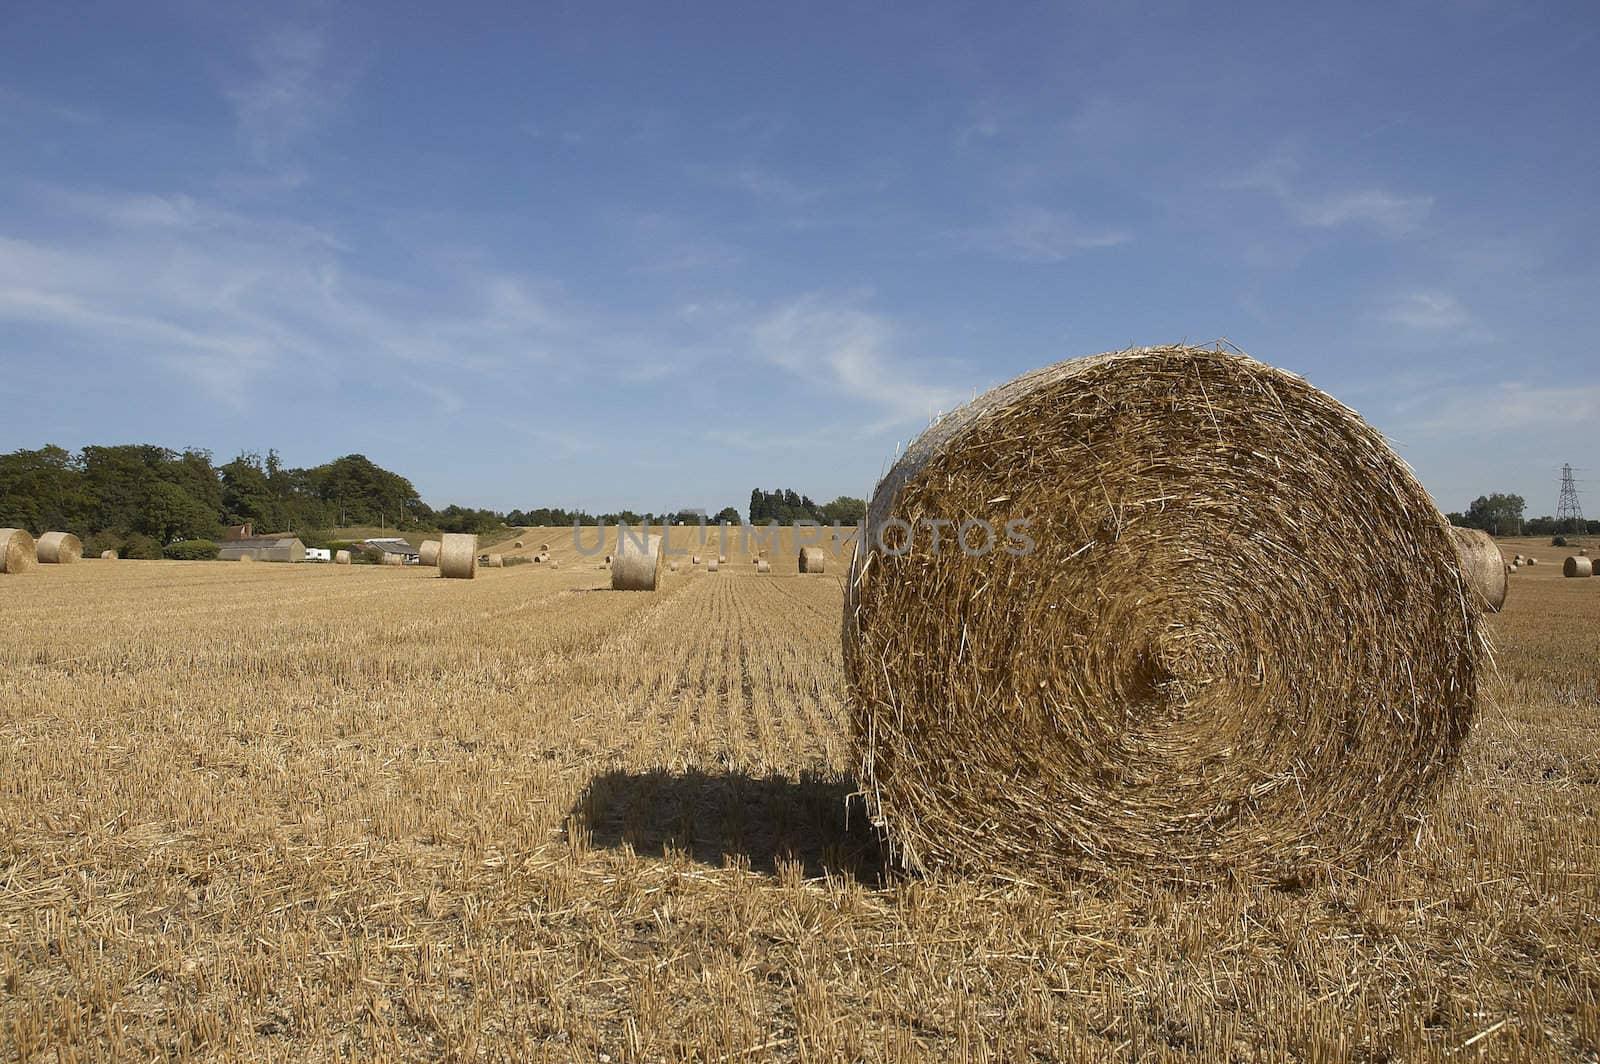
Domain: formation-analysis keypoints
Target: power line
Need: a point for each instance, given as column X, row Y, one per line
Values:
column 1569, row 511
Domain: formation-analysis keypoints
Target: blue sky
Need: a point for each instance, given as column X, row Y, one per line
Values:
column 653, row 256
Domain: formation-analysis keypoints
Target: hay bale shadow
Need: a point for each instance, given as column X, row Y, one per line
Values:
column 713, row 817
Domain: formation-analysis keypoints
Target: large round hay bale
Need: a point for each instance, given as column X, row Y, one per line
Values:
column 1235, row 639
column 393, row 559
column 1482, row 566
column 713, row 565
column 517, row 544
column 458, row 555
column 813, row 559
column 763, row 566
column 495, row 561
column 341, row 557
column 429, row 552
column 638, row 565
column 18, row 552
column 108, row 555
column 1576, row 566
column 59, row 548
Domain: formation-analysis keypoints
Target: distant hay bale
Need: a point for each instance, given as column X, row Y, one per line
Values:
column 722, row 558
column 544, row 548
column 763, row 566
column 392, row 559
column 430, row 552
column 517, row 544
column 1577, row 566
column 638, row 565
column 694, row 559
column 712, row 566
column 1239, row 642
column 108, row 555
column 458, row 556
column 18, row 552
column 1481, row 566
column 1531, row 561
column 341, row 557
column 608, row 559
column 672, row 567
column 1583, row 552
column 544, row 556
column 495, row 561
column 813, row 559
column 59, row 548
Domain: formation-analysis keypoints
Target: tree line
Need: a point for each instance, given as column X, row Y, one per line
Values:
column 139, row 498
column 1501, row 515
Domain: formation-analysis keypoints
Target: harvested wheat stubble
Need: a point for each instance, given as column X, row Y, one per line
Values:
column 108, row 555
column 429, row 552
column 17, row 551
column 813, row 559
column 1241, row 641
column 458, row 555
column 1576, row 566
column 341, row 557
column 763, row 566
column 59, row 548
column 247, row 557
column 638, row 564
column 495, row 561
column 1481, row 564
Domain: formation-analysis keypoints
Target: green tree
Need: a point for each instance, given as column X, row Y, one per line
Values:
column 1499, row 515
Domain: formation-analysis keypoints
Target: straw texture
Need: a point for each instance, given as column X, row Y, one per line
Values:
column 813, row 559
column 59, row 548
column 763, row 566
column 341, row 557
column 637, row 566
column 1576, row 566
column 458, row 555
column 429, row 552
column 1483, row 567
column 1241, row 641
column 495, row 561
column 108, row 555
column 17, row 551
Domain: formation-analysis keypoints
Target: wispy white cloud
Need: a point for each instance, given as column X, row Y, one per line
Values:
column 1034, row 234
column 1388, row 212
column 853, row 350
column 287, row 94
column 1428, row 312
column 1481, row 411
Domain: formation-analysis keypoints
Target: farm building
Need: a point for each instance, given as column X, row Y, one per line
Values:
column 409, row 555
column 319, row 554
column 263, row 549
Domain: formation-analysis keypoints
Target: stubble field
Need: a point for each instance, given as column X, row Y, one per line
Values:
column 305, row 812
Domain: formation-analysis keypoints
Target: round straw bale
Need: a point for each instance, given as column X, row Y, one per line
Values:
column 638, row 565
column 108, row 555
column 1531, row 561
column 458, row 555
column 59, row 548
column 722, row 558
column 672, row 567
column 608, row 559
column 813, row 559
column 517, row 544
column 1482, row 566
column 1576, row 566
column 1583, row 552
column 1234, row 636
column 694, row 559
column 18, row 553
column 763, row 566
column 495, row 561
column 544, row 548
column 545, row 557
column 713, row 565
column 429, row 551
column 341, row 557
column 392, row 559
